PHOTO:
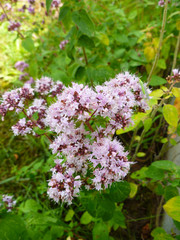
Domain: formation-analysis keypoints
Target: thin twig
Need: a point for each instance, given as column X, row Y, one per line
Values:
column 160, row 41
column 176, row 53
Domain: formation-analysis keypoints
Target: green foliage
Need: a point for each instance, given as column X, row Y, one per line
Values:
column 105, row 38
column 160, row 234
column 12, row 227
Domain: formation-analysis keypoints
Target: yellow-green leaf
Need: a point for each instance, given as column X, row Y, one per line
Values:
column 141, row 154
column 104, row 39
column 147, row 124
column 171, row 115
column 69, row 215
column 157, row 93
column 149, row 53
column 172, row 208
column 176, row 91
column 134, row 188
column 86, row 218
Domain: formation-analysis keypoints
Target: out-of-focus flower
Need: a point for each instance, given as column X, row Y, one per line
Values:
column 63, row 44
column 8, row 202
column 2, row 17
column 21, row 65
column 31, row 9
column 55, row 3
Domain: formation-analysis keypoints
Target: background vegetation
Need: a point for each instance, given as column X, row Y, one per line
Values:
column 104, row 38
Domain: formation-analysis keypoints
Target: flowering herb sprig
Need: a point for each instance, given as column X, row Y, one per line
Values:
column 83, row 121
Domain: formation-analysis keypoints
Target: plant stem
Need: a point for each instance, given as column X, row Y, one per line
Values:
column 144, row 218
column 89, row 126
column 159, row 209
column 133, row 138
column 160, row 42
column 85, row 56
column 176, row 53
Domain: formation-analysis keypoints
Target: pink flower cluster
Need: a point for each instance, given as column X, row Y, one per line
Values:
column 83, row 121
column 14, row 26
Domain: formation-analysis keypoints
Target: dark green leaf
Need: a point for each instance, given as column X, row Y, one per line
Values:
column 85, row 41
column 48, row 4
column 170, row 192
column 63, row 11
column 83, row 21
column 105, row 208
column 120, row 191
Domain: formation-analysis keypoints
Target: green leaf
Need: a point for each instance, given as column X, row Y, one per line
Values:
column 140, row 174
column 28, row 44
column 48, row 5
column 83, row 21
column 63, row 12
column 172, row 208
column 90, row 201
column 165, row 165
column 170, row 114
column 85, row 41
column 173, row 142
column 120, row 191
column 160, row 234
column 100, row 231
column 99, row 74
column 30, row 206
column 134, row 188
column 69, row 215
column 57, row 232
column 12, row 227
column 161, row 63
column 154, row 173
column 86, row 218
column 156, row 81
column 120, row 53
column 170, row 192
